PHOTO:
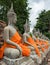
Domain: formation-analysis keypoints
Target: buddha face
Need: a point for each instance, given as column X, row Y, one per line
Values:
column 12, row 17
column 26, row 28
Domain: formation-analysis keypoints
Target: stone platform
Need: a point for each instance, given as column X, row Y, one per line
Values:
column 25, row 61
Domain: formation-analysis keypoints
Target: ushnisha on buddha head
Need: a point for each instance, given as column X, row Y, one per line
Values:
column 11, row 15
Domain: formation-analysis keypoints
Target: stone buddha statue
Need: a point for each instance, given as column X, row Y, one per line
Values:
column 33, row 41
column 9, row 30
column 2, row 25
column 42, row 42
column 13, row 46
column 29, row 41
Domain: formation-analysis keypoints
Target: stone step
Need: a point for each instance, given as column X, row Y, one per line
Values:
column 18, row 61
column 28, row 62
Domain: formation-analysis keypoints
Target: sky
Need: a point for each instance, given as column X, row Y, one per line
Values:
column 37, row 6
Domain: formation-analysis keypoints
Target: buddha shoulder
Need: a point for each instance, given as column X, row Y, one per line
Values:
column 6, row 28
column 9, row 28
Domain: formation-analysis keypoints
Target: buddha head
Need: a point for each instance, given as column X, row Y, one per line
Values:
column 26, row 27
column 11, row 15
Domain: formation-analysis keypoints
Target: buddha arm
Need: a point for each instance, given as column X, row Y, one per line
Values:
column 33, row 36
column 7, row 40
column 25, row 36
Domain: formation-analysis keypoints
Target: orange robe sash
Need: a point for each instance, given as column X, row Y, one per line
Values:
column 31, row 41
column 17, row 39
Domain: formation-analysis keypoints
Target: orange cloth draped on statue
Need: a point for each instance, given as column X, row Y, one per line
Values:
column 31, row 41
column 39, row 43
column 45, row 43
column 17, row 39
column 2, row 51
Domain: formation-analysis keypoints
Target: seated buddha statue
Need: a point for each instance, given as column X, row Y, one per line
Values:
column 29, row 41
column 41, row 41
column 13, row 46
column 2, row 25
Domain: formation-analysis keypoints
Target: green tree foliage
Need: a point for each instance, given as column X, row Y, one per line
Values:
column 21, row 9
column 43, row 23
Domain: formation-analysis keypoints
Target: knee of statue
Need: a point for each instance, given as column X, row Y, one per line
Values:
column 2, row 63
column 12, row 53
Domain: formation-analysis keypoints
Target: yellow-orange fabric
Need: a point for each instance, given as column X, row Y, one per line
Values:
column 37, row 42
column 31, row 41
column 1, row 52
column 17, row 39
column 45, row 43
